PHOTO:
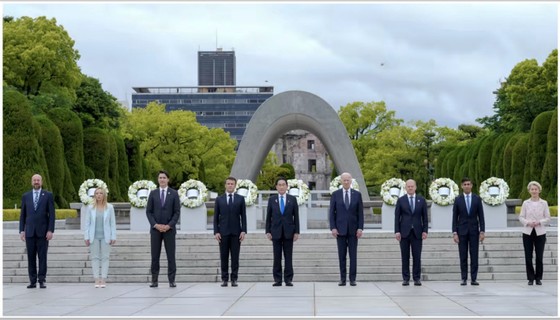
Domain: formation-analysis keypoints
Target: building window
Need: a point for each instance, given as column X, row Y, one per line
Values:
column 310, row 144
column 312, row 165
column 312, row 185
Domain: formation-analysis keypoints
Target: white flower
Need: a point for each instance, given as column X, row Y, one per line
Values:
column 136, row 201
column 251, row 196
column 201, row 197
column 441, row 198
column 386, row 187
column 337, row 184
column 494, row 199
column 303, row 194
column 88, row 184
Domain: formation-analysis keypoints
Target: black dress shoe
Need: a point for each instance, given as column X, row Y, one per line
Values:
column 153, row 285
column 530, row 282
column 463, row 282
column 172, row 284
column 224, row 283
column 289, row 284
column 31, row 286
column 234, row 283
column 277, row 284
column 353, row 283
column 42, row 285
column 405, row 283
column 341, row 283
column 474, row 283
column 539, row 283
column 417, row 283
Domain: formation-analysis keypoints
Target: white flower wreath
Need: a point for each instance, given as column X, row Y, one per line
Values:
column 251, row 194
column 336, row 184
column 85, row 198
column 196, row 199
column 303, row 190
column 443, row 197
column 391, row 197
column 494, row 191
column 136, row 200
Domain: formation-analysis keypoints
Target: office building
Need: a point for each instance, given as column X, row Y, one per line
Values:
column 216, row 68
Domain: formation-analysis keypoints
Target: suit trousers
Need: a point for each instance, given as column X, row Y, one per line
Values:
column 279, row 246
column 412, row 242
column 229, row 244
column 37, row 246
column 347, row 243
column 168, row 239
column 536, row 242
column 468, row 244
column 99, row 253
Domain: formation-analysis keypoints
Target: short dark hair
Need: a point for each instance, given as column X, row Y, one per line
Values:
column 280, row 179
column 465, row 179
column 232, row 179
column 163, row 172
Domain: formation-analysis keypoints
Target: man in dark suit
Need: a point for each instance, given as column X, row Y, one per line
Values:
column 346, row 217
column 163, row 211
column 468, row 229
column 282, row 227
column 230, row 227
column 411, row 228
column 36, row 228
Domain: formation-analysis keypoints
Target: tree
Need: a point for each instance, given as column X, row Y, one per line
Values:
column 549, row 178
column 270, row 171
column 95, row 106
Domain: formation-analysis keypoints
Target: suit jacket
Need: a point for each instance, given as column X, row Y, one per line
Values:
column 109, row 224
column 168, row 213
column 463, row 223
column 346, row 221
column 37, row 222
column 230, row 220
column 278, row 223
column 405, row 218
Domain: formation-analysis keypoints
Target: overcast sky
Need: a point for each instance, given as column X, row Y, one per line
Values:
column 437, row 61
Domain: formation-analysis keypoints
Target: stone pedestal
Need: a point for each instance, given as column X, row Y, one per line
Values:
column 495, row 217
column 388, row 217
column 194, row 219
column 139, row 220
column 83, row 211
column 251, row 218
column 442, row 217
column 302, row 218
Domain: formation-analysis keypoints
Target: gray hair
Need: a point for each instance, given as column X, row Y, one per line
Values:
column 534, row 183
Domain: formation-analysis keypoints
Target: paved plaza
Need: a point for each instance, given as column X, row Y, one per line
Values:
column 305, row 299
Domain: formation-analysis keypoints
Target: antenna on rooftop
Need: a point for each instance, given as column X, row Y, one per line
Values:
column 216, row 39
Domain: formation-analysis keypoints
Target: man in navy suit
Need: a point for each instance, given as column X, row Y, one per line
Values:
column 230, row 227
column 468, row 229
column 36, row 228
column 411, row 228
column 282, row 227
column 346, row 217
column 163, row 211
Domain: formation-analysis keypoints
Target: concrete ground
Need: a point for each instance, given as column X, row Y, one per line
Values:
column 305, row 299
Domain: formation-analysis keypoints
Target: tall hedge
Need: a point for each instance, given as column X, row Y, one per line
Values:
column 471, row 159
column 508, row 154
column 123, row 180
column 72, row 134
column 97, row 154
column 484, row 159
column 136, row 167
column 23, row 155
column 498, row 155
column 549, row 176
column 518, row 162
column 459, row 169
column 113, row 182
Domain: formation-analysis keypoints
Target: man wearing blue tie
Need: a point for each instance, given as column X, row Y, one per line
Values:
column 282, row 228
column 468, row 229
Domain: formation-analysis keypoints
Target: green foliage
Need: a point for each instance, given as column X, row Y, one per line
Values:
column 95, row 106
column 484, row 159
column 97, row 154
column 549, row 177
column 123, row 180
column 135, row 164
column 498, row 155
column 518, row 162
column 536, row 149
column 60, row 214
column 113, row 169
column 292, row 171
column 270, row 171
column 508, row 155
column 39, row 56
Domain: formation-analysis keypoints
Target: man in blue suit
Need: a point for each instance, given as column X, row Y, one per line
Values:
column 163, row 211
column 230, row 227
column 411, row 228
column 346, row 218
column 282, row 228
column 36, row 228
column 468, row 229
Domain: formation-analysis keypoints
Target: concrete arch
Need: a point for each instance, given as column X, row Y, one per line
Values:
column 292, row 110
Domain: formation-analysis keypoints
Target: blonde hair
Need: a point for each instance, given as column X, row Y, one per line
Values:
column 103, row 202
column 534, row 183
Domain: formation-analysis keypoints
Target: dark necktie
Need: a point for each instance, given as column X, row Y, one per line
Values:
column 469, row 204
column 36, row 199
column 411, row 204
column 346, row 200
column 162, row 197
column 282, row 204
column 230, row 201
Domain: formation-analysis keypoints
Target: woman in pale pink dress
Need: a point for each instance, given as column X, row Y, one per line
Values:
column 534, row 216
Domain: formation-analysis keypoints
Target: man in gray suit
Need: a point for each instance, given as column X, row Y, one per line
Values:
column 163, row 211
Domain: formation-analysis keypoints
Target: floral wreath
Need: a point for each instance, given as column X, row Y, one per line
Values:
column 303, row 194
column 494, row 200
column 386, row 187
column 88, row 184
column 201, row 197
column 443, row 200
column 136, row 201
column 251, row 196
column 336, row 184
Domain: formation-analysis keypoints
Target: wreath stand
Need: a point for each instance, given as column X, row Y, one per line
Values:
column 194, row 219
column 138, row 219
column 495, row 217
column 388, row 217
column 442, row 217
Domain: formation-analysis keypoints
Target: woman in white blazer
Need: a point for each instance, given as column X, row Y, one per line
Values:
column 100, row 233
column 534, row 216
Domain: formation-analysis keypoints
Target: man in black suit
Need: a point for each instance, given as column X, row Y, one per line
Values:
column 36, row 228
column 163, row 211
column 230, row 227
column 282, row 227
column 346, row 217
column 468, row 229
column 411, row 228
